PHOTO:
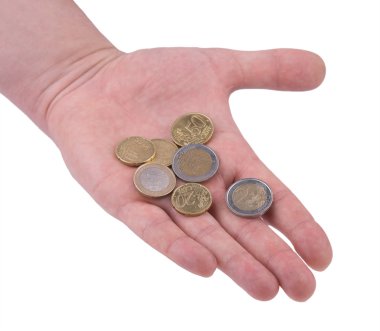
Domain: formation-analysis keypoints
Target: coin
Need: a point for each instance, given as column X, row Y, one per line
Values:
column 192, row 128
column 195, row 163
column 154, row 180
column 165, row 151
column 134, row 151
column 249, row 197
column 191, row 199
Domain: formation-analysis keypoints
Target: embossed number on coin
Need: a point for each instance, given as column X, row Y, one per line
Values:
column 191, row 199
column 193, row 128
column 249, row 197
column 154, row 180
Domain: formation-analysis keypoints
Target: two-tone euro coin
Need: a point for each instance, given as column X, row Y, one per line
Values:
column 154, row 180
column 249, row 197
column 195, row 163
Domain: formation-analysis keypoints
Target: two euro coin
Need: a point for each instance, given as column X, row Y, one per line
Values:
column 195, row 163
column 249, row 197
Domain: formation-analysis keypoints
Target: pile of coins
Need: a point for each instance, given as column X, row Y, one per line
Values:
column 192, row 162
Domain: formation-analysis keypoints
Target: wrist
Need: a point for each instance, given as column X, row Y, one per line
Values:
column 63, row 78
column 49, row 47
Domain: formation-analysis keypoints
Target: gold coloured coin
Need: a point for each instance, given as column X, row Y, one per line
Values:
column 191, row 199
column 165, row 151
column 192, row 128
column 154, row 180
column 134, row 151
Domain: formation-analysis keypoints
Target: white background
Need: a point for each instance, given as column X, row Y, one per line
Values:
column 67, row 265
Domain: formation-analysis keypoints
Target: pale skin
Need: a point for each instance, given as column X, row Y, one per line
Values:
column 87, row 96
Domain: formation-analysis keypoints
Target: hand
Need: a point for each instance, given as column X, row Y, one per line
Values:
column 141, row 94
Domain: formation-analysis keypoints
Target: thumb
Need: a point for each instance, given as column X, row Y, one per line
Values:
column 277, row 69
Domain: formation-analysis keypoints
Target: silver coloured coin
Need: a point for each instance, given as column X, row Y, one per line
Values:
column 195, row 163
column 154, row 180
column 249, row 197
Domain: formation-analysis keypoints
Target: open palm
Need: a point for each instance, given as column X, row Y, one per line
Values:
column 141, row 94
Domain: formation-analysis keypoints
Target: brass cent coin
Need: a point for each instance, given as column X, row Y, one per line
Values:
column 192, row 128
column 191, row 199
column 165, row 151
column 134, row 151
column 154, row 180
column 195, row 163
column 249, row 197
